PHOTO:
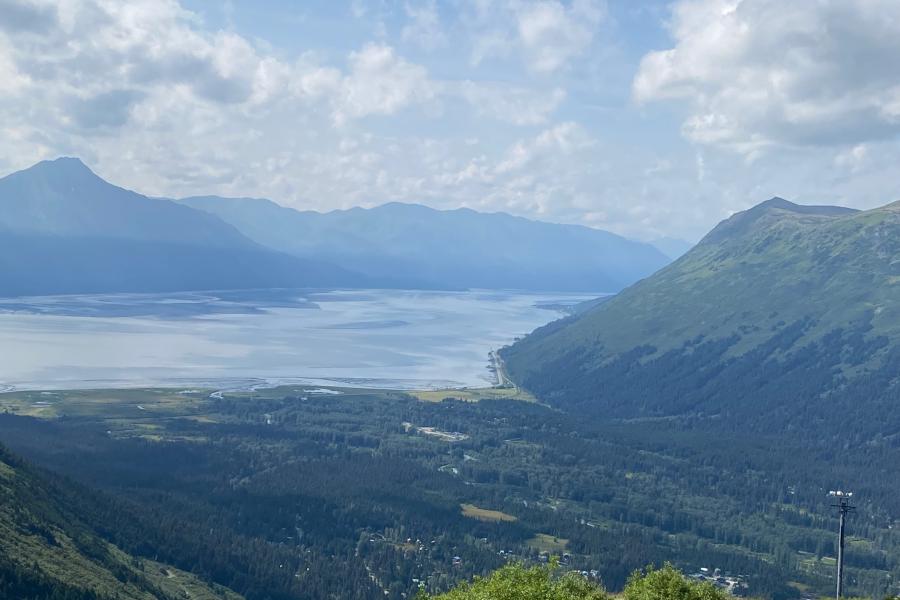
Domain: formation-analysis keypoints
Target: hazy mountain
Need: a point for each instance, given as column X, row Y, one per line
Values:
column 63, row 229
column 674, row 248
column 63, row 197
column 783, row 316
column 416, row 245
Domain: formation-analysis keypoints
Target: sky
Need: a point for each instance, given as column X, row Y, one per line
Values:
column 649, row 119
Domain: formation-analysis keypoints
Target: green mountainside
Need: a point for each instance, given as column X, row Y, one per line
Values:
column 781, row 314
column 47, row 550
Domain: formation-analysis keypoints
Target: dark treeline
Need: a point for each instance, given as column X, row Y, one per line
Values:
column 28, row 584
column 45, row 520
column 771, row 389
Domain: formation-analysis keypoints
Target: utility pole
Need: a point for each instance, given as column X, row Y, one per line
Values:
column 844, row 507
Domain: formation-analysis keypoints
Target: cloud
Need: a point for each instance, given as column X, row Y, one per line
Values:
column 853, row 159
column 516, row 105
column 380, row 82
column 155, row 99
column 11, row 80
column 757, row 73
column 424, row 28
column 539, row 176
column 552, row 34
column 546, row 34
column 99, row 47
column 107, row 109
column 99, row 62
column 563, row 139
column 22, row 16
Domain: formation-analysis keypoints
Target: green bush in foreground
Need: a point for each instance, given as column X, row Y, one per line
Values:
column 669, row 584
column 516, row 582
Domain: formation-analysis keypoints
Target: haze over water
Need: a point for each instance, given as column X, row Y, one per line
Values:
column 379, row 338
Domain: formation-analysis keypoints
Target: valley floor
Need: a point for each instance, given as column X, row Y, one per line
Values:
column 312, row 492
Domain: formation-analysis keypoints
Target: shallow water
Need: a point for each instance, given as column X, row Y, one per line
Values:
column 379, row 338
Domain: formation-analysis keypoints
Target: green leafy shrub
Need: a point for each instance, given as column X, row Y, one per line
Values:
column 668, row 583
column 516, row 582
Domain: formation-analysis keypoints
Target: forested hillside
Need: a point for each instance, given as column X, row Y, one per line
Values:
column 783, row 319
column 771, row 346
column 49, row 549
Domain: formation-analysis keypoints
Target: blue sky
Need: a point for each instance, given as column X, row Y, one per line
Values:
column 649, row 119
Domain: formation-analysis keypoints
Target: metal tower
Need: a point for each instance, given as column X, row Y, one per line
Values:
column 844, row 507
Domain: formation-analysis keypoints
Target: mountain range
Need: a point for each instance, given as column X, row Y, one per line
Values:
column 411, row 245
column 63, row 229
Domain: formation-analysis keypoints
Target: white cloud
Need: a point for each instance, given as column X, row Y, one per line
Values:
column 11, row 80
column 562, row 139
column 424, row 28
column 95, row 48
column 552, row 34
column 538, row 176
column 853, row 159
column 756, row 73
column 97, row 64
column 516, row 105
column 97, row 60
column 546, row 34
column 380, row 82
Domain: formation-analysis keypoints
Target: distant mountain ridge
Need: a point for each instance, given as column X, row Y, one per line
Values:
column 417, row 245
column 64, row 197
column 63, row 230
column 782, row 314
